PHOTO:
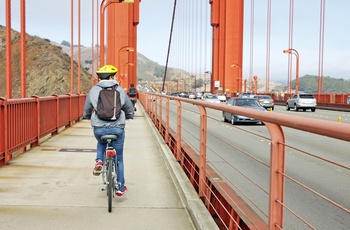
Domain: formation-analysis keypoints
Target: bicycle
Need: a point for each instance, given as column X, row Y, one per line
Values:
column 109, row 169
column 133, row 101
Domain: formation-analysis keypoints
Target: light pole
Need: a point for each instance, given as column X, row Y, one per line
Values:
column 125, row 71
column 128, row 49
column 195, row 83
column 177, row 84
column 205, row 82
column 293, row 51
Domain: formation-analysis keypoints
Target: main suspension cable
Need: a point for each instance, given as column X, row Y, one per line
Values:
column 171, row 34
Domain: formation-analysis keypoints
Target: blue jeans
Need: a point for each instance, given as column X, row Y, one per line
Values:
column 118, row 145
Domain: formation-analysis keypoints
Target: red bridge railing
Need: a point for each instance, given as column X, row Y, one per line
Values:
column 24, row 121
column 237, row 195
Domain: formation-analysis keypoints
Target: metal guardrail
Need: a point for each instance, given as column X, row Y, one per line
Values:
column 229, row 206
column 24, row 121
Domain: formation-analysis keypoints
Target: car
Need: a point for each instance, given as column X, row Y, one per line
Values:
column 246, row 94
column 199, row 95
column 211, row 98
column 302, row 101
column 192, row 95
column 266, row 101
column 183, row 94
column 245, row 102
column 221, row 96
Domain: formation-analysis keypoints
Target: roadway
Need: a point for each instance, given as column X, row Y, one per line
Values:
column 231, row 148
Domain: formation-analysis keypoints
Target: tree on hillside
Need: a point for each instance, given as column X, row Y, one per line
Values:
column 65, row 43
column 309, row 84
column 159, row 71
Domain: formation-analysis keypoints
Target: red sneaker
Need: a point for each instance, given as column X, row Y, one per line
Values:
column 98, row 168
column 120, row 193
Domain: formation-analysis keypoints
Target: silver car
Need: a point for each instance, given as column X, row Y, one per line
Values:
column 246, row 102
column 266, row 101
column 301, row 101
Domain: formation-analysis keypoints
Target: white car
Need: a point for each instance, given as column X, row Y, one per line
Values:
column 221, row 96
column 211, row 98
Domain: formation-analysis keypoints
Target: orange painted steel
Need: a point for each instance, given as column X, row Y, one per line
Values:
column 203, row 151
column 127, row 49
column 229, row 209
column 79, row 48
column 71, row 46
column 124, row 32
column 23, row 49
column 8, row 51
column 293, row 51
column 103, row 5
column 121, row 31
column 25, row 121
column 227, row 22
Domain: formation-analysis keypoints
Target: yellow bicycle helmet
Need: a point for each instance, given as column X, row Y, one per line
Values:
column 106, row 71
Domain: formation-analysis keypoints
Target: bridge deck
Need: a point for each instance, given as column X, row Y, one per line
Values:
column 52, row 185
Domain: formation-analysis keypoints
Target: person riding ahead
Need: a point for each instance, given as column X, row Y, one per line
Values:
column 133, row 94
column 103, row 127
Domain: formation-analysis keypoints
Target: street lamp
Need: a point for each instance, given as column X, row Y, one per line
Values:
column 177, row 84
column 293, row 51
column 127, row 49
column 205, row 82
column 195, row 82
column 125, row 69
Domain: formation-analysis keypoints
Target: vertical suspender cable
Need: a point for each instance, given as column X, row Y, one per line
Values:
column 92, row 41
column 97, row 38
column 268, row 33
column 290, row 44
column 251, row 45
column 71, row 50
column 321, row 47
column 171, row 33
column 79, row 49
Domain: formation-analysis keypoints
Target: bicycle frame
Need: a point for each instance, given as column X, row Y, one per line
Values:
column 109, row 169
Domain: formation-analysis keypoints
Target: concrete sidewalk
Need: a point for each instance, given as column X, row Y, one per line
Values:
column 52, row 186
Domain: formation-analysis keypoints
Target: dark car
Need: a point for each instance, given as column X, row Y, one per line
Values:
column 246, row 102
column 266, row 101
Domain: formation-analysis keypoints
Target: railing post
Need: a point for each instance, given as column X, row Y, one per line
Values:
column 167, row 118
column 178, row 130
column 203, row 151
column 6, row 158
column 38, row 121
column 160, row 117
column 277, row 171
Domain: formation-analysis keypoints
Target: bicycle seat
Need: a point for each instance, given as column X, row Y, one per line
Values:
column 110, row 136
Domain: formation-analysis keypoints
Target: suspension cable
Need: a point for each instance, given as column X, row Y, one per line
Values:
column 171, row 34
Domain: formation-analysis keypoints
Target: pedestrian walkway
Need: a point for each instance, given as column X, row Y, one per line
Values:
column 52, row 186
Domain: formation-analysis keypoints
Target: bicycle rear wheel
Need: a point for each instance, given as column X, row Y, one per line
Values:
column 110, row 183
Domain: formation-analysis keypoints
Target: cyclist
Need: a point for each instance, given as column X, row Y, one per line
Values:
column 101, row 127
column 133, row 95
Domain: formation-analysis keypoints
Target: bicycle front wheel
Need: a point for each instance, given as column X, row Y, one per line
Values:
column 110, row 183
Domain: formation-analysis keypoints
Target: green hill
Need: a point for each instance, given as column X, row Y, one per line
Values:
column 309, row 84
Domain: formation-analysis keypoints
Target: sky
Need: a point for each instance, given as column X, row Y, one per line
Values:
column 51, row 19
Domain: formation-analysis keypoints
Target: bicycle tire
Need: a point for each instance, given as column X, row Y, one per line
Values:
column 110, row 183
